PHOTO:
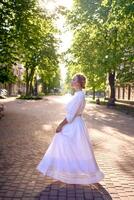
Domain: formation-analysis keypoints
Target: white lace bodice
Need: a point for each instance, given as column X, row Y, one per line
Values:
column 76, row 106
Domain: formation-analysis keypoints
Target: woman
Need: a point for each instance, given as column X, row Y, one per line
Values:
column 70, row 157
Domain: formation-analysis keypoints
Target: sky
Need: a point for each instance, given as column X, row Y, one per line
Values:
column 52, row 3
column 66, row 36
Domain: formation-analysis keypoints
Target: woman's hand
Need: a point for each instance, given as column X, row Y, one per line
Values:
column 59, row 128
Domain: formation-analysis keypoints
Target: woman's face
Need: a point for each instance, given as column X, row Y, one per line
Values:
column 74, row 83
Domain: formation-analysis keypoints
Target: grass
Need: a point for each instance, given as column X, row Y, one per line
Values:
column 27, row 97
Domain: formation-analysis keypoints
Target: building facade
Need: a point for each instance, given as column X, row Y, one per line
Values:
column 13, row 89
column 125, row 92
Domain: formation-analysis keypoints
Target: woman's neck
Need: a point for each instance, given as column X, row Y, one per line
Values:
column 78, row 89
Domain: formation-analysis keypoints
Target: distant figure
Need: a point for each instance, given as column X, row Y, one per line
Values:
column 70, row 157
column 98, row 101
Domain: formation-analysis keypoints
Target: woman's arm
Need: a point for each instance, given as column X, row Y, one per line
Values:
column 75, row 104
column 59, row 128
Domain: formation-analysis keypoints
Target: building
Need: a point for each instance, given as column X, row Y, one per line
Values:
column 19, row 86
column 125, row 92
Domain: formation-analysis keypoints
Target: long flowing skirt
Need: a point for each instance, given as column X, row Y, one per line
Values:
column 70, row 157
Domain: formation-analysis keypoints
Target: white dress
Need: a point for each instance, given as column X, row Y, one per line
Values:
column 70, row 157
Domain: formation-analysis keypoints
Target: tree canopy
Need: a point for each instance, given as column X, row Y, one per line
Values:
column 103, row 41
column 28, row 37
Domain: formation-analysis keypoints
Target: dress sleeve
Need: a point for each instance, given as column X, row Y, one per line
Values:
column 74, row 108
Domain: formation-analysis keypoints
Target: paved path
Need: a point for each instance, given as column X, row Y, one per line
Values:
column 27, row 130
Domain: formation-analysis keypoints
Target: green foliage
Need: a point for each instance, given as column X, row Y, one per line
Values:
column 27, row 36
column 126, row 69
column 103, row 40
column 6, row 75
column 50, row 78
column 27, row 97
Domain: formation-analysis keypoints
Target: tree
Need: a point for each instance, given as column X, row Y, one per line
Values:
column 50, row 79
column 6, row 75
column 27, row 37
column 100, row 34
column 37, row 42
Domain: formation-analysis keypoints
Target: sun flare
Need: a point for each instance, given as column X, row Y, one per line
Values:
column 65, row 36
column 52, row 4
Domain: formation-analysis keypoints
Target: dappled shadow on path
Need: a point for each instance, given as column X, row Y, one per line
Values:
column 113, row 140
column 125, row 161
column 28, row 127
column 61, row 191
column 100, row 117
column 26, row 131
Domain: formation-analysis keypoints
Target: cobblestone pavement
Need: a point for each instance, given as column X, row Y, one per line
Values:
column 26, row 131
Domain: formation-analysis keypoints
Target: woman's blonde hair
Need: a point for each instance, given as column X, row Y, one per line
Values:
column 81, row 79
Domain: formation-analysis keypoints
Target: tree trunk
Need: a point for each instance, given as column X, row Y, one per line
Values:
column 35, row 86
column 31, row 76
column 112, row 87
column 44, row 87
column 30, row 88
column 93, row 93
column 10, row 89
column 129, row 92
column 27, row 82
